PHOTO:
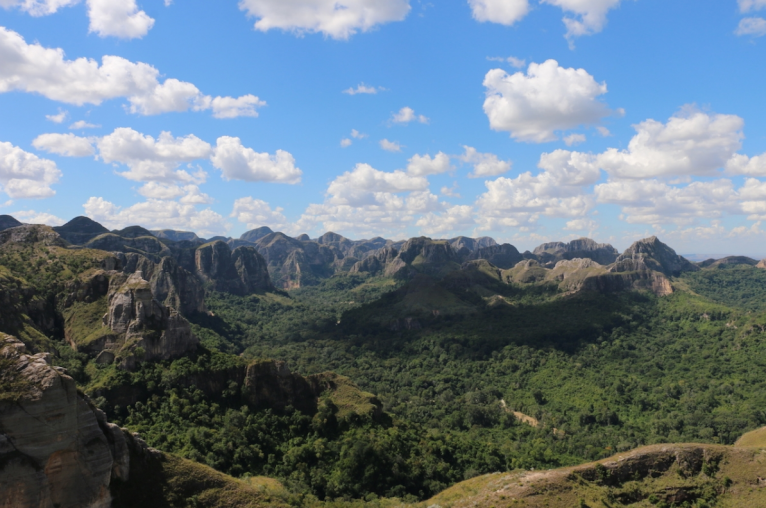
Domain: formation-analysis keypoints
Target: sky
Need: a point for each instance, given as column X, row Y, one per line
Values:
column 525, row 120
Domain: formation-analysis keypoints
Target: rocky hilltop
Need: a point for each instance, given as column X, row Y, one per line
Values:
column 6, row 222
column 601, row 253
column 58, row 451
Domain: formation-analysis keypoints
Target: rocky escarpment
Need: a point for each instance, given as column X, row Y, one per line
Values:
column 584, row 248
column 32, row 234
column 80, row 230
column 240, row 272
column 7, row 222
column 416, row 256
column 175, row 236
column 56, row 449
column 652, row 254
column 136, row 327
column 502, row 256
column 148, row 246
column 171, row 284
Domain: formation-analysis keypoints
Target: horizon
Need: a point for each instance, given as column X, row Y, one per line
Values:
column 525, row 121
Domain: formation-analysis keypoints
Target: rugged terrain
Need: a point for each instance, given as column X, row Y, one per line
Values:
column 259, row 357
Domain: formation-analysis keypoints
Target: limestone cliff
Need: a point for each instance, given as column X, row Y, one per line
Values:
column 240, row 272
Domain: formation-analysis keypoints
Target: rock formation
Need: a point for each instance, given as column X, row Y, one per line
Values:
column 602, row 253
column 761, row 264
column 31, row 234
column 254, row 235
column 149, row 246
column 80, row 230
column 175, row 236
column 7, row 222
column 502, row 256
column 292, row 263
column 241, row 272
column 652, row 254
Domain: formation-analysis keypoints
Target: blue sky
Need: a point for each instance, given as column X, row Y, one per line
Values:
column 524, row 120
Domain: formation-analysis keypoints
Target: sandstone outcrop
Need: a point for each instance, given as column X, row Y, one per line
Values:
column 32, row 234
column 54, row 450
column 502, row 256
column 256, row 234
column 602, row 253
column 652, row 254
column 292, row 263
column 80, row 230
column 175, row 236
column 761, row 264
column 149, row 246
column 171, row 284
column 240, row 272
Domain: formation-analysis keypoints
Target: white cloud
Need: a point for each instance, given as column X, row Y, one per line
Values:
column 390, row 146
column 82, row 124
column 655, row 202
column 691, row 143
column 504, row 12
column 118, row 18
column 407, row 115
column 156, row 214
column 59, row 117
column 238, row 162
column 33, row 217
column 34, row 69
column 345, row 142
column 189, row 194
column 367, row 185
column 423, row 165
column 357, row 135
column 230, row 107
column 512, row 60
column 751, row 26
column 38, row 7
column 546, row 99
column 361, row 88
column 333, row 18
column 581, row 225
column 454, row 219
column 67, row 145
column 150, row 159
column 484, row 164
column 751, row 5
column 590, row 15
column 25, row 175
column 450, row 191
column 574, row 139
column 743, row 165
column 255, row 213
column 603, row 131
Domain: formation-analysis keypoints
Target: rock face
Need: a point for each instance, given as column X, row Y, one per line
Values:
column 80, row 230
column 53, row 451
column 463, row 246
column 602, row 253
column 138, row 320
column 241, row 272
column 175, row 236
column 149, row 246
column 292, row 263
column 652, row 254
column 761, row 264
column 254, row 235
column 32, row 233
column 502, row 256
column 6, row 222
column 171, row 285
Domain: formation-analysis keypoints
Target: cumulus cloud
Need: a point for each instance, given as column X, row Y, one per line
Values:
column 361, row 88
column 238, row 162
column 67, row 145
column 150, row 159
column 504, row 12
column 751, row 5
column 189, row 194
column 345, row 142
column 691, row 143
column 333, row 18
column 423, row 165
column 120, row 18
column 751, row 26
column 484, row 164
column 34, row 217
column 548, row 98
column 255, row 213
column 743, row 165
column 589, row 15
column 390, row 146
column 574, row 139
column 82, row 124
column 557, row 191
column 117, row 18
column 59, row 117
column 367, row 201
column 512, row 60
column 357, row 135
column 407, row 115
column 25, row 175
column 156, row 214
column 34, row 69
column 581, row 225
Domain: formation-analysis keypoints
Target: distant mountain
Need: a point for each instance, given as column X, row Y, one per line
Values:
column 601, row 253
column 175, row 236
column 80, row 230
column 7, row 222
column 254, row 235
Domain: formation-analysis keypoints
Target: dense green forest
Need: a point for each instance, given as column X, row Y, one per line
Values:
column 595, row 373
